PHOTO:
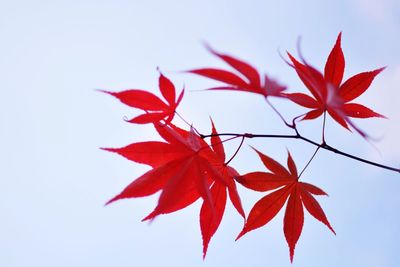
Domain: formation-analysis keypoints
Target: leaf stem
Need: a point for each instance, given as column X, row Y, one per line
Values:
column 308, row 163
column 279, row 114
column 187, row 123
column 237, row 150
column 323, row 129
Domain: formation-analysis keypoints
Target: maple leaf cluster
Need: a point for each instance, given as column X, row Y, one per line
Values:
column 185, row 168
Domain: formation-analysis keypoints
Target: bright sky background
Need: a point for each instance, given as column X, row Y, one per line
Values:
column 55, row 181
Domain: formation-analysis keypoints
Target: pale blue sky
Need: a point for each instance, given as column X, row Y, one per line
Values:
column 55, row 180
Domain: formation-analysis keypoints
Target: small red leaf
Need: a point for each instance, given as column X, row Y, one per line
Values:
column 339, row 118
column 265, row 210
column 318, row 82
column 140, row 99
column 272, row 87
column 359, row 111
column 221, row 75
column 313, row 189
column 150, row 182
column 292, row 166
column 313, row 114
column 272, row 165
column 167, row 89
column 230, row 174
column 334, row 67
column 235, row 199
column 247, row 80
column 314, row 208
column 357, row 84
column 156, row 110
column 216, row 144
column 293, row 220
column 201, row 181
column 148, row 118
column 263, row 181
column 175, row 187
column 210, row 218
column 172, row 134
column 239, row 89
column 303, row 71
column 188, row 198
column 244, row 68
column 151, row 153
column 182, row 93
column 330, row 95
column 303, row 100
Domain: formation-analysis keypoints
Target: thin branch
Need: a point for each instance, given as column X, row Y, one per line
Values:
column 298, row 136
column 337, row 151
column 249, row 135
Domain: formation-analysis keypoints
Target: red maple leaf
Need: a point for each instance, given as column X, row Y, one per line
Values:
column 329, row 93
column 287, row 186
column 156, row 109
column 211, row 218
column 248, row 79
column 185, row 168
column 181, row 169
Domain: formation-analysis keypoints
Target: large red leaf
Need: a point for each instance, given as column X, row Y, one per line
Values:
column 251, row 81
column 184, row 169
column 211, row 218
column 285, row 187
column 155, row 109
column 328, row 92
column 181, row 151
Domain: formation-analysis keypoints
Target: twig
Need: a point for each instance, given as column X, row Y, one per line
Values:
column 298, row 136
